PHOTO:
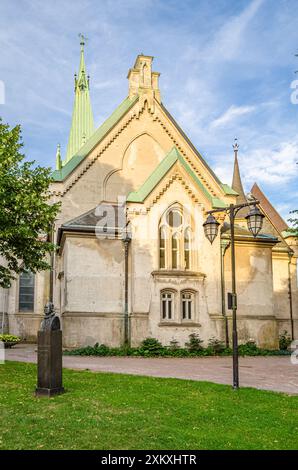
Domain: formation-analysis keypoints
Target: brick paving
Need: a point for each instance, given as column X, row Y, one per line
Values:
column 274, row 373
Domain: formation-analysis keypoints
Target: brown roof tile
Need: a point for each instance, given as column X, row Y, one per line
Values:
column 268, row 208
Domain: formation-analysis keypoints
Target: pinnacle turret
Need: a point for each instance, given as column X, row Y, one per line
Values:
column 82, row 126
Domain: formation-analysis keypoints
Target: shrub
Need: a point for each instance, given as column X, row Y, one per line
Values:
column 284, row 341
column 215, row 345
column 9, row 339
column 151, row 347
column 195, row 343
column 251, row 349
column 174, row 345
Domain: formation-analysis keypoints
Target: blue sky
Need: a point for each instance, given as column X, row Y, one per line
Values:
column 226, row 70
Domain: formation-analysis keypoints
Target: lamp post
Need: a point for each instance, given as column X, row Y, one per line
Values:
column 254, row 223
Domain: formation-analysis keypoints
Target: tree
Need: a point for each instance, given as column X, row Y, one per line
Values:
column 26, row 215
column 294, row 222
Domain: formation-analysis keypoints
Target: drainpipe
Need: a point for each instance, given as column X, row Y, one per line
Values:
column 4, row 308
column 290, row 294
column 51, row 294
column 126, row 241
column 224, row 245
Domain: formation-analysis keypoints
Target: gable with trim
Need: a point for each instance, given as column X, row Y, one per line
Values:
column 132, row 144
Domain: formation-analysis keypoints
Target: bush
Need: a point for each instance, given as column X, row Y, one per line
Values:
column 174, row 345
column 250, row 349
column 152, row 347
column 195, row 343
column 10, row 339
column 284, row 341
column 215, row 345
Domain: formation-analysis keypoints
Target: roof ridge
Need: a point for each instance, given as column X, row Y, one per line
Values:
column 95, row 139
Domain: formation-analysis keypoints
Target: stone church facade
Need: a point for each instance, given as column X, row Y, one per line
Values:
column 133, row 261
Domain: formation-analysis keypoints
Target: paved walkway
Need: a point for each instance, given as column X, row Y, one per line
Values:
column 269, row 373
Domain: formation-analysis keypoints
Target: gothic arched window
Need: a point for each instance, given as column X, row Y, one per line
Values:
column 174, row 240
column 187, row 247
column 162, row 247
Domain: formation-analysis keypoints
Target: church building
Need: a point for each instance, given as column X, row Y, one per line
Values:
column 132, row 260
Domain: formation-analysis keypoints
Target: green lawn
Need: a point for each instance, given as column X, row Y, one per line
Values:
column 113, row 411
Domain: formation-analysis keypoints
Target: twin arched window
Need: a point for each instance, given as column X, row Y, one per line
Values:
column 174, row 241
column 170, row 311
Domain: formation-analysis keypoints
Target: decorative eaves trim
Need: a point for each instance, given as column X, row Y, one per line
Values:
column 161, row 170
column 95, row 139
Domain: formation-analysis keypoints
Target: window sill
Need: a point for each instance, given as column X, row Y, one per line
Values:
column 184, row 324
column 177, row 273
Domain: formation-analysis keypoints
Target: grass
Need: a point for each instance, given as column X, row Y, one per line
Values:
column 115, row 411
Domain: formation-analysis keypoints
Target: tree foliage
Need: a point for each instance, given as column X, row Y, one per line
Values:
column 294, row 222
column 26, row 214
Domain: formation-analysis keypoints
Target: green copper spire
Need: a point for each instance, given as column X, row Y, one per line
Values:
column 58, row 158
column 82, row 126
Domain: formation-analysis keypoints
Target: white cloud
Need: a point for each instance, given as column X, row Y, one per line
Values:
column 232, row 113
column 270, row 167
column 228, row 41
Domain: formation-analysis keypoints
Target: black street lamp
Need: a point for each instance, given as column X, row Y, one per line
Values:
column 211, row 228
column 254, row 224
column 255, row 220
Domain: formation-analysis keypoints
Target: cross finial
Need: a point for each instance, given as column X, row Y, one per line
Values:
column 83, row 39
column 236, row 145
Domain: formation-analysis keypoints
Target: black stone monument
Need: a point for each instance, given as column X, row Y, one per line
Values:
column 49, row 355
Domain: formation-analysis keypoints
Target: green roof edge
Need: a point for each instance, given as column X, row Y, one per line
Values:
column 164, row 166
column 228, row 190
column 289, row 233
column 96, row 137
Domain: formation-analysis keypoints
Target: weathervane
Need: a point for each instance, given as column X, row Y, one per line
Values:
column 83, row 39
column 296, row 55
column 235, row 145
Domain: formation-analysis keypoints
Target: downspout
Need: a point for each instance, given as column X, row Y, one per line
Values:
column 224, row 244
column 4, row 308
column 51, row 294
column 126, row 242
column 290, row 253
column 52, row 268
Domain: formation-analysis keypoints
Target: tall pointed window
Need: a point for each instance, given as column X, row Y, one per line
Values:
column 174, row 240
column 162, row 248
column 187, row 248
column 26, row 292
column 175, row 251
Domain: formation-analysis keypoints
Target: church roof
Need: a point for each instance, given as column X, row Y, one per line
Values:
column 226, row 188
column 140, row 89
column 97, row 136
column 161, row 170
column 241, row 232
column 268, row 209
column 105, row 219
